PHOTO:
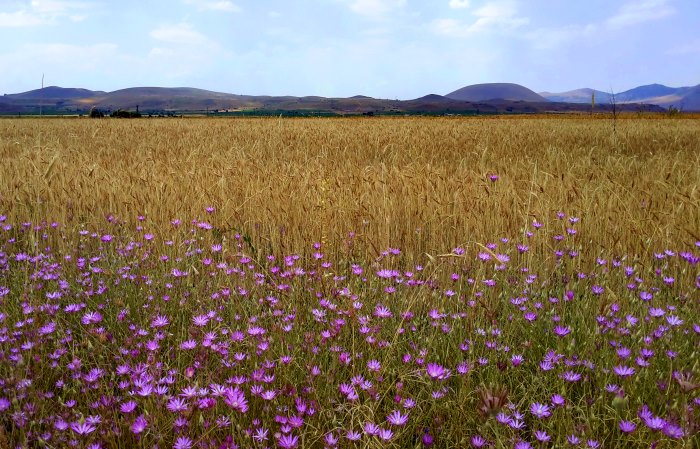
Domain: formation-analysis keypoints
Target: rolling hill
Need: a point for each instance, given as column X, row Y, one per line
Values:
column 55, row 92
column 495, row 91
column 497, row 98
column 577, row 96
column 684, row 98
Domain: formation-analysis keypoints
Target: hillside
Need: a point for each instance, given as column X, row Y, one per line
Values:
column 495, row 91
column 499, row 98
column 684, row 98
column 55, row 92
column 577, row 96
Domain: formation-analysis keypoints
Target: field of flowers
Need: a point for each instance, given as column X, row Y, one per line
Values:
column 534, row 322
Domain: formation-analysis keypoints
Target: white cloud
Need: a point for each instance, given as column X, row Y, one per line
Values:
column 375, row 9
column 180, row 34
column 636, row 12
column 182, row 51
column 549, row 38
column 62, row 63
column 493, row 16
column 21, row 18
column 498, row 15
column 214, row 5
column 56, row 6
column 459, row 4
column 44, row 12
column 686, row 49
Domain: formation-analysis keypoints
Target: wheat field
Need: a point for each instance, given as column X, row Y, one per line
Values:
column 420, row 184
column 504, row 282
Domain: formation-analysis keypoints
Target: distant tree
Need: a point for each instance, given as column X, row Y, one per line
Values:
column 121, row 113
column 95, row 113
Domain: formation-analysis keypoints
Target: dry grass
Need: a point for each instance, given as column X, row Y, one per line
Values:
column 420, row 184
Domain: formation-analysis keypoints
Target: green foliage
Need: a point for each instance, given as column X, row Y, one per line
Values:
column 122, row 113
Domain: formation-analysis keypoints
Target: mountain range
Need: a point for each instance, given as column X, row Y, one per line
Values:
column 490, row 98
column 683, row 98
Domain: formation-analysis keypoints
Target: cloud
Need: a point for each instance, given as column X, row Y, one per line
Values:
column 182, row 51
column 688, row 48
column 550, row 38
column 58, row 7
column 44, row 12
column 375, row 9
column 214, row 5
column 493, row 16
column 459, row 4
column 180, row 34
column 20, row 19
column 62, row 63
column 636, row 12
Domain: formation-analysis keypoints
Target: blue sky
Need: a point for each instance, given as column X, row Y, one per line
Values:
column 383, row 48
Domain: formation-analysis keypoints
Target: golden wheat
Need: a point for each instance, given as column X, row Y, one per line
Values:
column 421, row 184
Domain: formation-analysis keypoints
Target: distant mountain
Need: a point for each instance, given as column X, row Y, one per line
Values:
column 649, row 91
column 55, row 92
column 577, row 96
column 495, row 91
column 433, row 97
column 684, row 98
column 499, row 98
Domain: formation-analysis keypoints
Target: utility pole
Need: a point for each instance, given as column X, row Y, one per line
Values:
column 41, row 97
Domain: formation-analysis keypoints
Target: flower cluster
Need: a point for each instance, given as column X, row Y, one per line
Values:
column 127, row 336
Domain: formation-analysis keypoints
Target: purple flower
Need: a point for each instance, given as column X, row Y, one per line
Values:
column 542, row 436
column 260, row 434
column 386, row 434
column 562, row 331
column 436, row 371
column 127, row 407
column 673, row 431
column 353, row 435
column 82, row 428
column 288, row 441
column 371, row 428
column 382, row 312
column 397, row 419
column 645, row 296
column 235, row 398
column 540, row 410
column 517, row 424
column 139, row 424
column 177, row 404
column 374, row 365
column 478, row 441
column 558, row 400
column 503, row 418
column 160, row 321
column 331, row 440
column 627, row 426
column 674, row 320
column 624, row 371
column 182, row 443
column 427, row 439
column 91, row 318
column 655, row 422
column 571, row 376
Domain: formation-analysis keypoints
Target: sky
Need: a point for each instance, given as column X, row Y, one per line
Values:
column 395, row 49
